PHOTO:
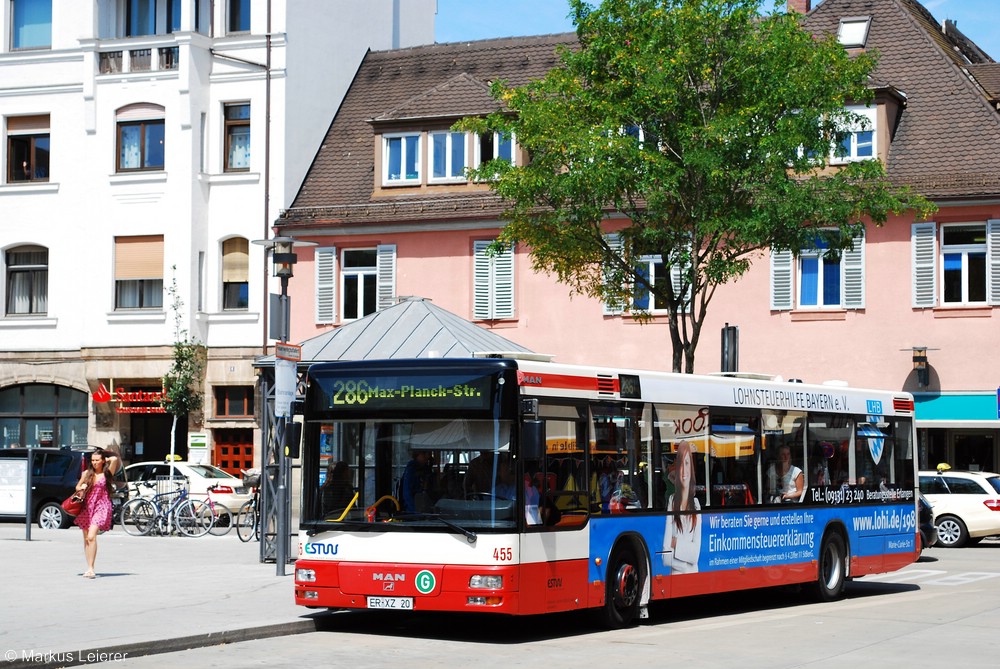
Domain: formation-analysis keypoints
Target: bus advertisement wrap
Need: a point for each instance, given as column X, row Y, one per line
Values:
column 767, row 538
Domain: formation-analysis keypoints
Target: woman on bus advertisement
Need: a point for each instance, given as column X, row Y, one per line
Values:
column 682, row 532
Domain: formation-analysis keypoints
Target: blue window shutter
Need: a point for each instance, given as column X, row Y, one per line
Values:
column 852, row 263
column 386, row 270
column 781, row 280
column 923, row 243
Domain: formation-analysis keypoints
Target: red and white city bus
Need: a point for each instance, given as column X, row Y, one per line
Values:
column 511, row 484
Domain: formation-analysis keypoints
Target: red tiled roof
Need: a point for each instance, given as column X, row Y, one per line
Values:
column 948, row 135
column 440, row 80
column 945, row 144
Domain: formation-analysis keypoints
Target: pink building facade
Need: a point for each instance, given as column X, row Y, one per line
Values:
column 391, row 217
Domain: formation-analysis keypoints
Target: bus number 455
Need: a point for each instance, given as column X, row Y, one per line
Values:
column 503, row 554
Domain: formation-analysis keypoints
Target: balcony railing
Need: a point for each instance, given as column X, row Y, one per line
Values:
column 138, row 60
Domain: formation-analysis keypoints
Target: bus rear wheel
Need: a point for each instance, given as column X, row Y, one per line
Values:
column 621, row 598
column 832, row 568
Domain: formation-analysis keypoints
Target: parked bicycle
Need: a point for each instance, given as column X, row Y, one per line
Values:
column 224, row 517
column 248, row 517
column 166, row 513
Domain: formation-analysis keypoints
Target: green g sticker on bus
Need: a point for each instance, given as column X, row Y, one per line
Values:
column 425, row 582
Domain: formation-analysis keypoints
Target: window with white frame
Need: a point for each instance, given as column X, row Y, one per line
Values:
column 955, row 264
column 963, row 263
column 367, row 282
column 819, row 278
column 858, row 142
column 237, row 120
column 493, row 282
column 27, row 281
column 239, row 16
column 496, row 146
column 28, row 148
column 139, row 272
column 30, row 24
column 853, row 32
column 235, row 274
column 401, row 158
column 140, row 130
column 447, row 160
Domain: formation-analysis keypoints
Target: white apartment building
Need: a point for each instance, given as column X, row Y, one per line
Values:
column 145, row 144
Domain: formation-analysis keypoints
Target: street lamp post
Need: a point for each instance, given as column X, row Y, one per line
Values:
column 283, row 259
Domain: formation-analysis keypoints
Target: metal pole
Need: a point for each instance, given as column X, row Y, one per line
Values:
column 281, row 550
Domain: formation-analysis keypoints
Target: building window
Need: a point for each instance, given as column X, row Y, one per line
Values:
column 496, row 146
column 239, row 16
column 367, row 282
column 493, row 282
column 963, row 263
column 358, row 282
column 822, row 279
column 140, row 18
column 401, row 159
column 31, row 24
column 234, row 401
column 237, row 137
column 28, row 148
column 448, row 156
column 140, row 138
column 34, row 415
column 139, row 272
column 853, row 32
column 27, row 280
column 819, row 277
column 858, row 142
column 235, row 274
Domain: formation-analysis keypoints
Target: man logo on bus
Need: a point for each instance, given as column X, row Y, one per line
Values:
column 425, row 582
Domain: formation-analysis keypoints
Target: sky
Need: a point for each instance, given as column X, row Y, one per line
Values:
column 465, row 20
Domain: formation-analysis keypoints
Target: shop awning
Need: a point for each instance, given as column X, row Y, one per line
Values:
column 962, row 410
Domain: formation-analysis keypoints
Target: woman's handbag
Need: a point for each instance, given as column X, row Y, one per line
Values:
column 73, row 504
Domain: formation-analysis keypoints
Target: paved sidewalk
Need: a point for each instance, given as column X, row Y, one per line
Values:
column 152, row 594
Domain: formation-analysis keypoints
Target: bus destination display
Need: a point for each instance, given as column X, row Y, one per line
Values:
column 408, row 392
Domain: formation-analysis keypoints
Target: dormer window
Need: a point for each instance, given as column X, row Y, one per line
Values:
column 858, row 141
column 496, row 145
column 401, row 159
column 448, row 151
column 853, row 32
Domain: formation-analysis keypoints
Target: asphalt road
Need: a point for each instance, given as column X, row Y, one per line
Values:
column 939, row 612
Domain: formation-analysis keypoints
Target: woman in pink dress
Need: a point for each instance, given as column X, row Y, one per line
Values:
column 97, row 485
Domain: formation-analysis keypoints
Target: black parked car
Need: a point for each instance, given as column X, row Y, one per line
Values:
column 54, row 475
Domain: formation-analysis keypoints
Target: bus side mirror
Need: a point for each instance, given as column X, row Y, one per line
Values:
column 533, row 439
column 292, row 439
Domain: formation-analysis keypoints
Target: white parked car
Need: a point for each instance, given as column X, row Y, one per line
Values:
column 229, row 490
column 966, row 505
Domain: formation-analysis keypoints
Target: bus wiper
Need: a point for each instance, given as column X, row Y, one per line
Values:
column 470, row 536
column 331, row 527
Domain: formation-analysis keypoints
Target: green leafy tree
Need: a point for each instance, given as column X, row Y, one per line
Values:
column 701, row 131
column 182, row 384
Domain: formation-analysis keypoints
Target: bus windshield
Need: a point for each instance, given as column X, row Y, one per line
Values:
column 446, row 474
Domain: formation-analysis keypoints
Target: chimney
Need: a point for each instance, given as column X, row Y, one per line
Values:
column 800, row 6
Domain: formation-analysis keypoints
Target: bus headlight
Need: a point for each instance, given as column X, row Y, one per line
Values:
column 305, row 575
column 486, row 581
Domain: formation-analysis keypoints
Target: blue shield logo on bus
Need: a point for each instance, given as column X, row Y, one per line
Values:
column 876, row 440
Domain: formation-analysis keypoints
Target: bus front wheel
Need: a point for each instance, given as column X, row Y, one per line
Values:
column 832, row 568
column 621, row 599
